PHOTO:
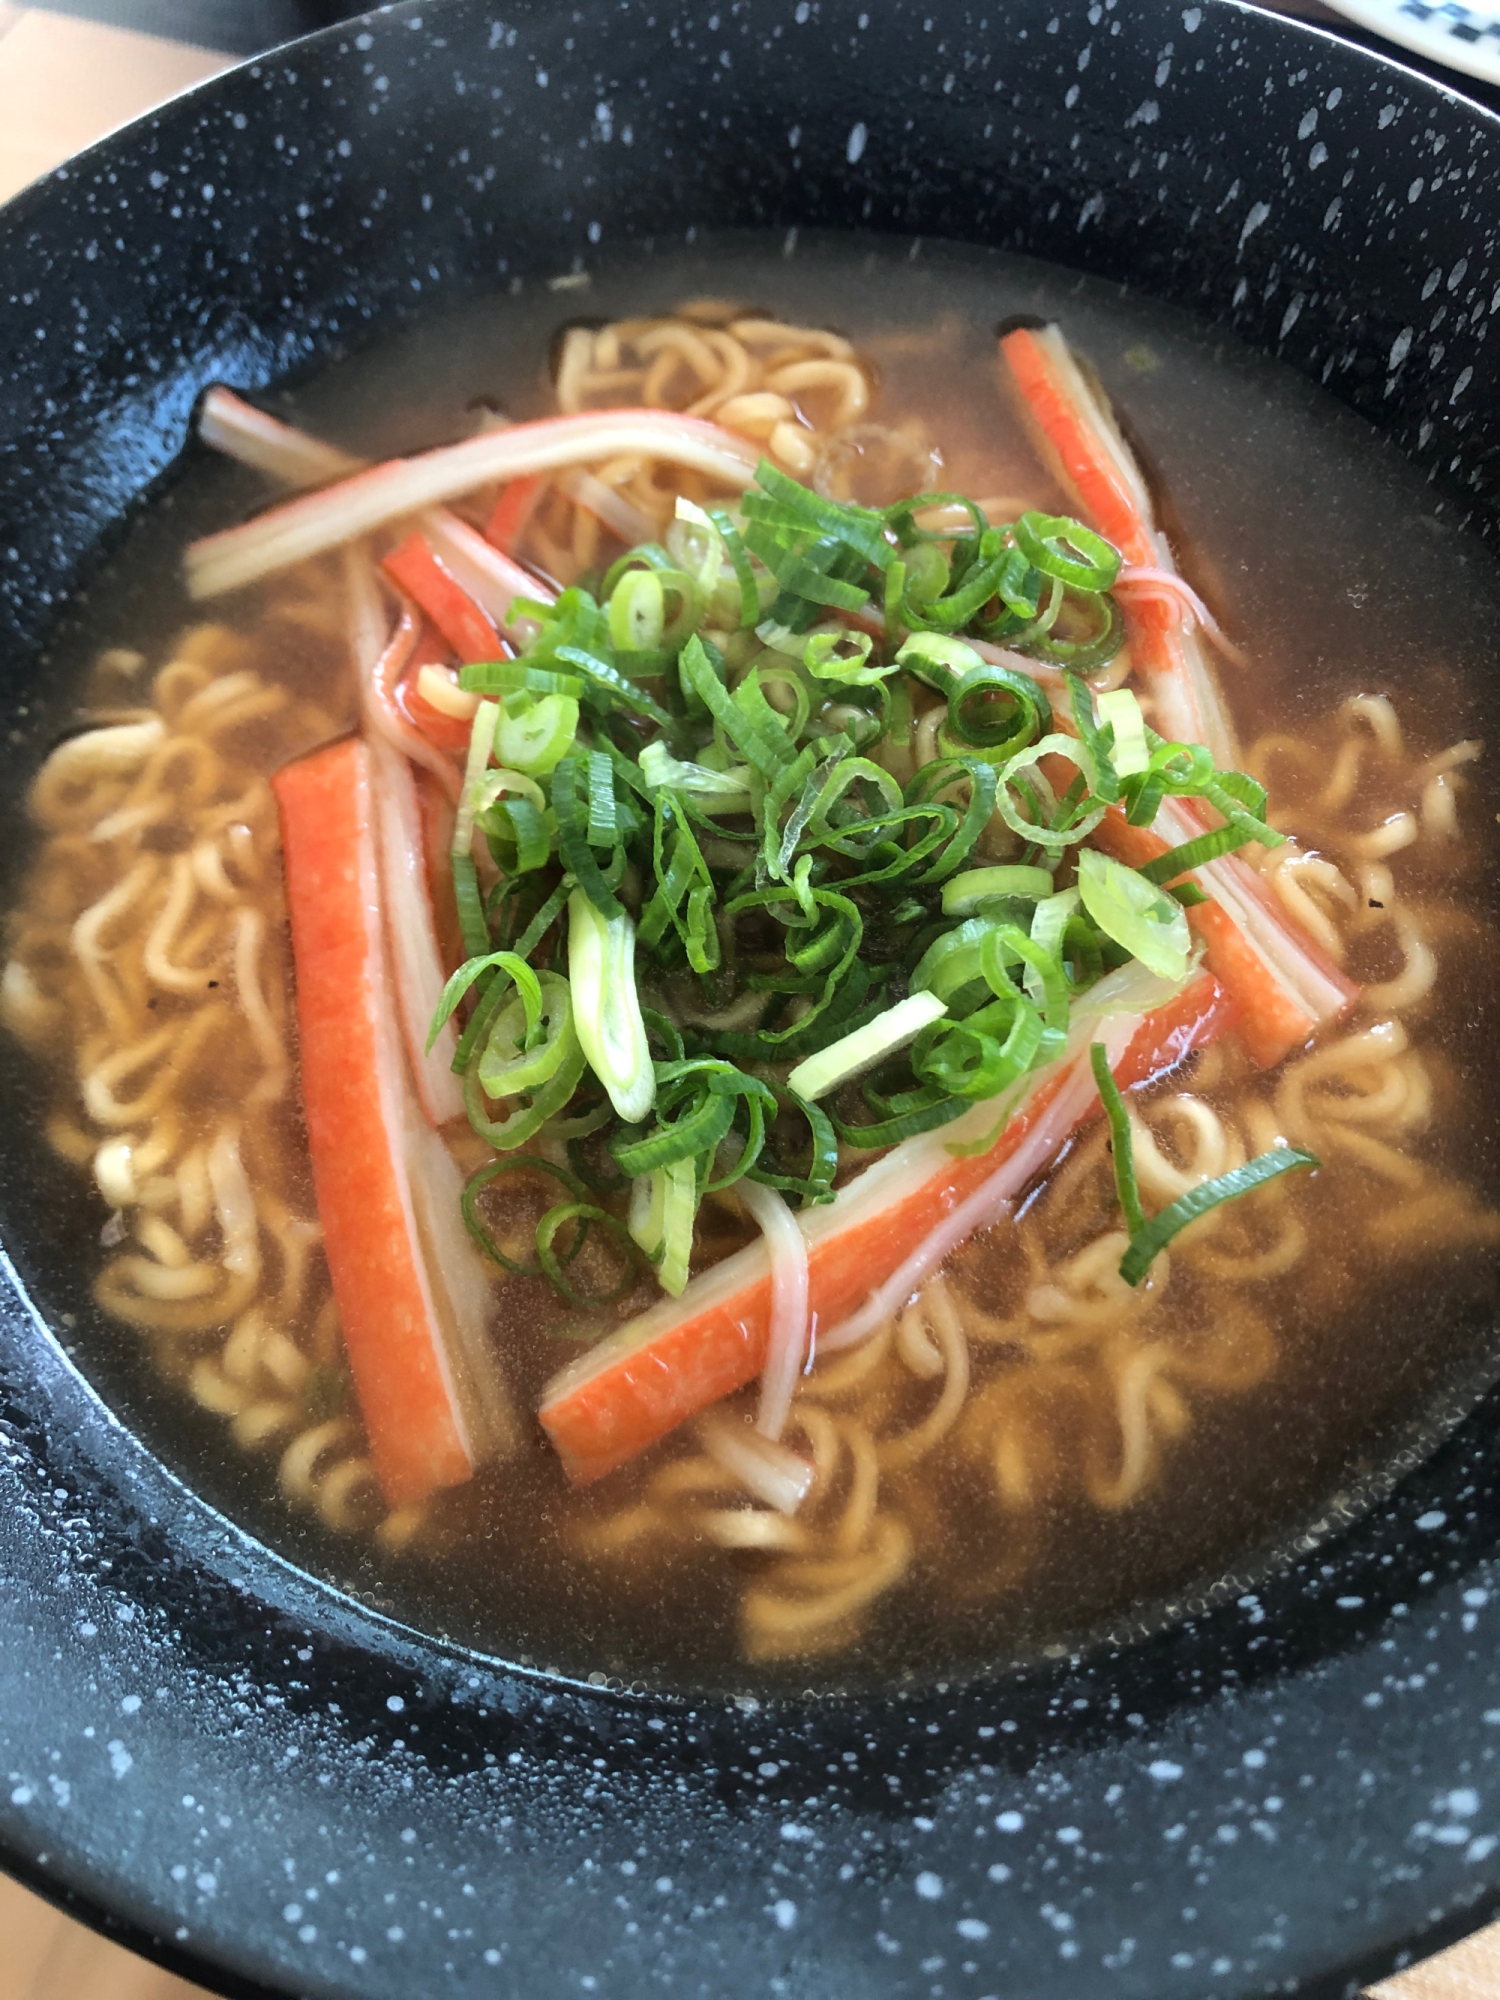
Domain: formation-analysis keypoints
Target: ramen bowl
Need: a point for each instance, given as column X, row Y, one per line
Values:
column 225, row 1739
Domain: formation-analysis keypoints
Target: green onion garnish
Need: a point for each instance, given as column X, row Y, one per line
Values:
column 1149, row 1238
column 1146, row 923
column 607, row 1007
column 1122, row 1145
column 703, row 881
column 851, row 1055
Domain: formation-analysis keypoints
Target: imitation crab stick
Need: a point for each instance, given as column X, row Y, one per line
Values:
column 429, row 697
column 468, row 629
column 412, row 933
column 511, row 514
column 491, row 578
column 487, row 575
column 1284, row 983
column 356, row 506
column 1080, row 437
column 689, row 1352
column 415, row 1334
column 381, row 660
column 231, row 425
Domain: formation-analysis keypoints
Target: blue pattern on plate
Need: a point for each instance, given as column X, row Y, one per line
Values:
column 1465, row 24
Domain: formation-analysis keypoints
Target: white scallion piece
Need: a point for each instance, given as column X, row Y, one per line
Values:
column 607, row 1008
column 853, row 1054
column 728, row 789
column 1120, row 709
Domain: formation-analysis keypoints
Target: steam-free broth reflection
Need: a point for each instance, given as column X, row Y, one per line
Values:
column 1024, row 1447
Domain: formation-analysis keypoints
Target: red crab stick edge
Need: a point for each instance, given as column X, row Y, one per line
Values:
column 415, row 1333
column 687, row 1353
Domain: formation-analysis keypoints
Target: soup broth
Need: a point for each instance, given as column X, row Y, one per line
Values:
column 1034, row 1452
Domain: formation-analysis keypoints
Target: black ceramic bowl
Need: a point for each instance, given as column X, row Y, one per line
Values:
column 264, row 1781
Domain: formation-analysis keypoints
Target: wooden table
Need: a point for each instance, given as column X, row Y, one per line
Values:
column 63, row 83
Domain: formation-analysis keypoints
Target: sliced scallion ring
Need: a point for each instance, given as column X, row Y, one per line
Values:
column 1066, row 549
column 964, row 894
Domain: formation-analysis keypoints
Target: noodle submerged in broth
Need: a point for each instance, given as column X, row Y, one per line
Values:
column 994, row 1442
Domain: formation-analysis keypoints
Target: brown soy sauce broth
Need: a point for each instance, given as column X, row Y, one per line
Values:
column 1338, row 571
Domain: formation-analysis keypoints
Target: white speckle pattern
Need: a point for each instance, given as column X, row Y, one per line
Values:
column 1258, row 214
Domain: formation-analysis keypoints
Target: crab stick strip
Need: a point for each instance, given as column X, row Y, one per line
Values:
column 236, row 428
column 467, row 627
column 1285, row 984
column 511, row 514
column 395, row 744
column 687, row 1353
column 488, row 576
column 369, row 500
column 415, row 957
column 381, row 660
column 430, row 698
column 1081, row 439
column 417, row 1345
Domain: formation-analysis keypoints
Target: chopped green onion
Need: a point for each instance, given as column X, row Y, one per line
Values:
column 996, row 711
column 1153, row 1237
column 1049, row 922
column 471, row 918
column 663, row 1209
column 607, row 1007
column 826, row 659
column 1191, row 854
column 853, row 1054
column 816, row 1185
column 608, row 686
column 483, row 1177
column 637, row 612
column 964, row 894
column 534, row 734
column 581, row 1214
column 762, row 742
column 938, row 659
column 1064, row 548
column 516, row 677
column 473, row 969
column 1120, row 709
column 513, row 1062
column 525, row 1121
column 1142, row 920
column 1122, row 1145
column 728, row 790
column 1035, row 830
column 711, row 764
column 749, row 607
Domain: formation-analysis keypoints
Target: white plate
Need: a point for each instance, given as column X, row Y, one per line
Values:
column 1446, row 31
